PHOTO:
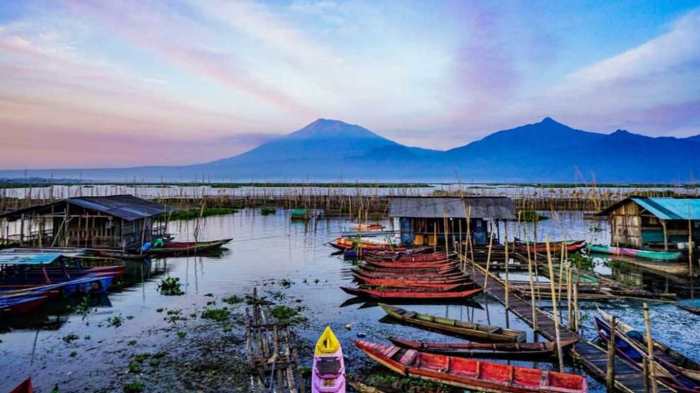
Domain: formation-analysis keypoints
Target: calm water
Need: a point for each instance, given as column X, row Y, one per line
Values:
column 265, row 250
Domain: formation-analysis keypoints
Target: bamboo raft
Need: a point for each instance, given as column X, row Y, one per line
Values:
column 271, row 350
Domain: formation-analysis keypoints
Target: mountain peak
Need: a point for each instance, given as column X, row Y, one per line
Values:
column 329, row 128
column 549, row 121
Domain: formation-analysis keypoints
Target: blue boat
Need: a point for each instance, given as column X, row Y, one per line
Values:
column 692, row 305
column 673, row 368
column 16, row 305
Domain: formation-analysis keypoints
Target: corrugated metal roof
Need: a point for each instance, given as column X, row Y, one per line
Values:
column 126, row 207
column 436, row 207
column 671, row 208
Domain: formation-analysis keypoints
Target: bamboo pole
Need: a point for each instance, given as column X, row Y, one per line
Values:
column 532, row 287
column 488, row 260
column 505, row 223
column 610, row 372
column 650, row 347
column 554, row 307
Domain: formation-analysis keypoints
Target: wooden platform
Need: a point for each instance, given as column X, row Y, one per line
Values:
column 592, row 358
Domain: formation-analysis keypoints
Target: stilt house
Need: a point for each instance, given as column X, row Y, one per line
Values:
column 436, row 220
column 117, row 221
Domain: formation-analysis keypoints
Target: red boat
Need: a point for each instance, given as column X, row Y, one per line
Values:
column 411, row 294
column 24, row 387
column 392, row 282
column 440, row 269
column 554, row 247
column 407, row 275
column 21, row 304
column 399, row 257
column 391, row 255
column 420, row 288
column 471, row 374
column 410, row 265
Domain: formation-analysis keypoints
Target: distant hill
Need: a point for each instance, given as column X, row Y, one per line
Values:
column 332, row 150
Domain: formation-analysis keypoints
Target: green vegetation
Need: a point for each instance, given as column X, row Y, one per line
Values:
column 134, row 387
column 115, row 321
column 216, row 314
column 531, row 216
column 285, row 314
column 266, row 211
column 191, row 214
column 70, row 338
column 170, row 286
column 233, row 299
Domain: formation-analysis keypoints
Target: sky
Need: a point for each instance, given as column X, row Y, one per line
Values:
column 89, row 83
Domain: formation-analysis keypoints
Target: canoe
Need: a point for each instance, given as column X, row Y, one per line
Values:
column 635, row 253
column 328, row 371
column 411, row 294
column 187, row 248
column 421, row 289
column 419, row 270
column 18, row 305
column 24, row 387
column 388, row 282
column 554, row 247
column 410, row 265
column 368, row 227
column 435, row 256
column 470, row 373
column 344, row 243
column 406, row 274
column 632, row 345
column 391, row 255
column 473, row 331
column 691, row 305
column 472, row 349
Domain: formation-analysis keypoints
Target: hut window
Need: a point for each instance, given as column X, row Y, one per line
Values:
column 653, row 221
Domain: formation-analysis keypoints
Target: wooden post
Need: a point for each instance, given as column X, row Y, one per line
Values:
column 690, row 251
column 577, row 311
column 650, row 348
column 610, row 375
column 532, row 286
column 663, row 225
column 21, row 230
column 505, row 223
column 554, row 307
column 569, row 295
column 488, row 260
column 444, row 234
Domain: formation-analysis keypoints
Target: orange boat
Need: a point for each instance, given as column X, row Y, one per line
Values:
column 471, row 373
column 407, row 275
column 412, row 293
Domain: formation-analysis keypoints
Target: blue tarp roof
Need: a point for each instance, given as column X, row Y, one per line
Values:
column 24, row 258
column 671, row 208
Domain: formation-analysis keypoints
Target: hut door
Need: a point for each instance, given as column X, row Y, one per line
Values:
column 406, row 231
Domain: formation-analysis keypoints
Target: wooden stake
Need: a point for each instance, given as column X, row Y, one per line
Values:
column 505, row 223
column 610, row 374
column 488, row 260
column 532, row 287
column 554, row 307
column 650, row 348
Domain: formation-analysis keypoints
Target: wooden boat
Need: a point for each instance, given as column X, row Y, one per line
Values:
column 406, row 274
column 632, row 345
column 472, row 349
column 554, row 247
column 399, row 257
column 172, row 249
column 388, row 282
column 441, row 269
column 473, row 331
column 18, row 305
column 635, row 253
column 368, row 227
column 391, row 255
column 328, row 371
column 345, row 243
column 24, row 387
column 421, row 289
column 409, row 265
column 411, row 294
column 470, row 373
column 691, row 305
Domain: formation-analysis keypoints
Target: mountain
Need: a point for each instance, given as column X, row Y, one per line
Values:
column 332, row 150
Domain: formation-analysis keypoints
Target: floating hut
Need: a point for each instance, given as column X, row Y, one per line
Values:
column 117, row 221
column 435, row 220
column 667, row 223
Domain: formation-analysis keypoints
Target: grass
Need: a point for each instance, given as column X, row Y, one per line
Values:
column 170, row 286
column 191, row 214
column 216, row 314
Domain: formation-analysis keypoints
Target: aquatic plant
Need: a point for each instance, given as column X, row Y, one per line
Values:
column 170, row 286
column 83, row 308
column 115, row 321
column 70, row 338
column 233, row 299
column 289, row 315
column 190, row 214
column 216, row 314
column 134, row 387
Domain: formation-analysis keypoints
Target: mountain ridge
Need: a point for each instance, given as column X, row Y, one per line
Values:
column 544, row 151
